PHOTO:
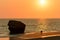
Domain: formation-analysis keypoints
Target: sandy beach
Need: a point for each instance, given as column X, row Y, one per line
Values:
column 4, row 38
column 34, row 35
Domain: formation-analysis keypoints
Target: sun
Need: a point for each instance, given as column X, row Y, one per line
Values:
column 42, row 2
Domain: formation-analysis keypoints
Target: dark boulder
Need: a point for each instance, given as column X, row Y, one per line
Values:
column 16, row 27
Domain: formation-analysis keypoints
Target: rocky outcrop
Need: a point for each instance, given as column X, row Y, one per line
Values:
column 16, row 27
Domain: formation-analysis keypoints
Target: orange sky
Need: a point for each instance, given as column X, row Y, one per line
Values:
column 29, row 9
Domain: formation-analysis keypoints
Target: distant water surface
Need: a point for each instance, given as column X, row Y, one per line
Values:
column 32, row 25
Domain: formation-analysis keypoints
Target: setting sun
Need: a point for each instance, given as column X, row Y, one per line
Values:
column 42, row 1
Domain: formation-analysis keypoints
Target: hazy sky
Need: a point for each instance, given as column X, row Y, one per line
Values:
column 29, row 9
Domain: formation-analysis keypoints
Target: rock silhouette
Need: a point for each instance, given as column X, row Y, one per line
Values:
column 16, row 27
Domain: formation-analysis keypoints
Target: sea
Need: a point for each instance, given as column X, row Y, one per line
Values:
column 32, row 25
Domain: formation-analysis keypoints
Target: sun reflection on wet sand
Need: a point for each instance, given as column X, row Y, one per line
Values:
column 7, row 38
column 38, row 35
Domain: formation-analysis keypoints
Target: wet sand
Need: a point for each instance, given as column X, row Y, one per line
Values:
column 4, row 38
column 38, row 36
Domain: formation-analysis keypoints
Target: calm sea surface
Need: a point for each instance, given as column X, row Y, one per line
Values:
column 32, row 25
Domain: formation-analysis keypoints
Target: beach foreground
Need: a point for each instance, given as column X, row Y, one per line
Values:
column 38, row 36
column 4, row 38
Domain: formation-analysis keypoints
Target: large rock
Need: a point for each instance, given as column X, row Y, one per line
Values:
column 16, row 27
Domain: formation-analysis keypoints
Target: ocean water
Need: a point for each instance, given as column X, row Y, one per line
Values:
column 32, row 25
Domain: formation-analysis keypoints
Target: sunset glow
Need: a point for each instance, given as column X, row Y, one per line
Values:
column 29, row 8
